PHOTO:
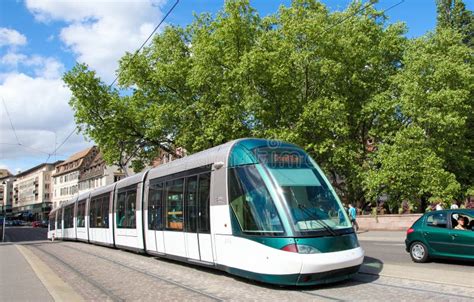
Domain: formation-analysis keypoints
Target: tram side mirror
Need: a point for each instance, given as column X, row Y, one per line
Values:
column 218, row 165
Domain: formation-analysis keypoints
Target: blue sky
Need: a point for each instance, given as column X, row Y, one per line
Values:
column 41, row 39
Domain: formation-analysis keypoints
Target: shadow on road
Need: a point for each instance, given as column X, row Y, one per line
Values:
column 368, row 273
column 25, row 234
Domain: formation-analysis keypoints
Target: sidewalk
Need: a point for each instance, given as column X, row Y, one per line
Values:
column 391, row 236
column 25, row 277
column 18, row 281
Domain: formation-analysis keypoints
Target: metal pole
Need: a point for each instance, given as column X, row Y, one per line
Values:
column 4, row 219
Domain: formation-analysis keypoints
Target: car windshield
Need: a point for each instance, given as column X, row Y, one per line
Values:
column 309, row 199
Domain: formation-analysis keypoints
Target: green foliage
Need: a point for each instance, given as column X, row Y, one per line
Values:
column 304, row 76
column 454, row 15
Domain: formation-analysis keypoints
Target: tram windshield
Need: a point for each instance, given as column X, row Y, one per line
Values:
column 309, row 199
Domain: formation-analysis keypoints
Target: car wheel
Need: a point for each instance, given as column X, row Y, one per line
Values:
column 419, row 252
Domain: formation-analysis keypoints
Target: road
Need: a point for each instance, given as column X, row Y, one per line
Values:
column 99, row 273
column 25, row 234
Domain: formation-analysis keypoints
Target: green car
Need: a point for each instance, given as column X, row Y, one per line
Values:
column 442, row 234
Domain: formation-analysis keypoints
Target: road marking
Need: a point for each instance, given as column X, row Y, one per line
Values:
column 57, row 288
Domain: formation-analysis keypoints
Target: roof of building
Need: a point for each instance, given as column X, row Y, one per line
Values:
column 78, row 155
column 37, row 168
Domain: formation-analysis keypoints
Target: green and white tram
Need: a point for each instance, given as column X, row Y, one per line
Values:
column 255, row 208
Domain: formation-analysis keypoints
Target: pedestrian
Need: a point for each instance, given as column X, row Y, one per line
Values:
column 439, row 207
column 454, row 206
column 352, row 217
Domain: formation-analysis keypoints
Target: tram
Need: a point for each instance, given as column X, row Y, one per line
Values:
column 259, row 209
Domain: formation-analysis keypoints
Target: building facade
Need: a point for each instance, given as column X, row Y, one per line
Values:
column 98, row 174
column 66, row 175
column 6, row 193
column 32, row 192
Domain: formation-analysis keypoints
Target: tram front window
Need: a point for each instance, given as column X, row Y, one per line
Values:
column 309, row 199
column 252, row 204
column 312, row 205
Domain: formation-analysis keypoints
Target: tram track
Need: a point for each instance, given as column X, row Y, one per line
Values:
column 83, row 276
column 149, row 274
column 324, row 293
column 356, row 279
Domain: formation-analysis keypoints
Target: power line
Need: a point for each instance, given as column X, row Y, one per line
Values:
column 11, row 124
column 342, row 20
column 147, row 39
column 64, row 141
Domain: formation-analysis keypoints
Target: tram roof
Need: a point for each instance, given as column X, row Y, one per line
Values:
column 84, row 195
column 70, row 201
column 102, row 190
column 203, row 158
column 233, row 153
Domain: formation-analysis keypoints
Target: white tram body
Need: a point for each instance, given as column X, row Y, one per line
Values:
column 255, row 208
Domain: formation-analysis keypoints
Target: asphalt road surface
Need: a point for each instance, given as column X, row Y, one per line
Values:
column 394, row 253
column 25, row 233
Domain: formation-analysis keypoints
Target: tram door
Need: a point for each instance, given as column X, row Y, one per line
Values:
column 197, row 218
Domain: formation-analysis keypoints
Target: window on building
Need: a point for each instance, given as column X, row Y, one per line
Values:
column 126, row 207
column 155, row 206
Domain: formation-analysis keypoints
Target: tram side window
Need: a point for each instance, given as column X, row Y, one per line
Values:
column 174, row 204
column 99, row 211
column 69, row 217
column 60, row 218
column 155, row 206
column 191, row 209
column 52, row 225
column 93, row 213
column 81, row 212
column 126, row 208
column 204, row 199
column 251, row 202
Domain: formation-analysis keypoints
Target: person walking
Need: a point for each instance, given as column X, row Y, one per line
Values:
column 352, row 217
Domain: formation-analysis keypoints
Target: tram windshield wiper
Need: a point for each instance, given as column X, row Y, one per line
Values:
column 319, row 220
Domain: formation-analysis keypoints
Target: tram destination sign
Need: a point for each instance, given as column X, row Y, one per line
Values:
column 282, row 158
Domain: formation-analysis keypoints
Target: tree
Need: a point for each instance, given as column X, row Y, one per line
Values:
column 346, row 86
column 453, row 14
column 429, row 157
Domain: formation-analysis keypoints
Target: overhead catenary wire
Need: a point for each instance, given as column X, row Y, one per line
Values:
column 11, row 123
column 146, row 41
column 342, row 20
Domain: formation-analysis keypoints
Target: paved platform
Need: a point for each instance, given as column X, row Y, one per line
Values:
column 18, row 281
column 25, row 277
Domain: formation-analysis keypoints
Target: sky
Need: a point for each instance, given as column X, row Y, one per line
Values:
column 42, row 39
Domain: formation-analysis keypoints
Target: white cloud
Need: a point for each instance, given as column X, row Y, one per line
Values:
column 10, row 37
column 39, row 110
column 100, row 32
column 45, row 67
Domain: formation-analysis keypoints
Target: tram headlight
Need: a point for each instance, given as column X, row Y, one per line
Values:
column 307, row 249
